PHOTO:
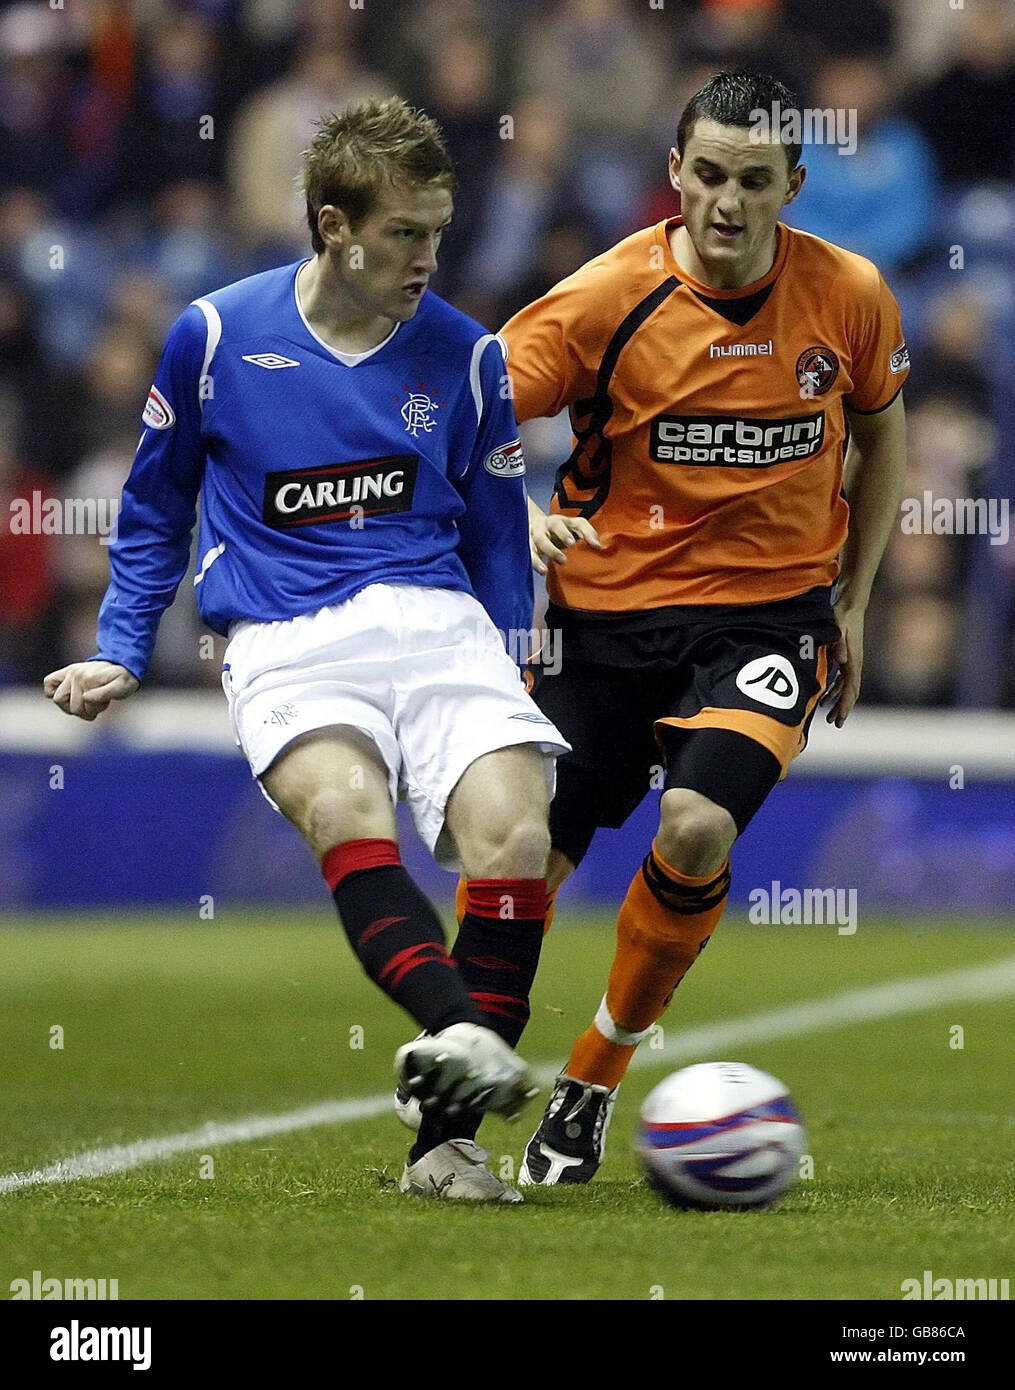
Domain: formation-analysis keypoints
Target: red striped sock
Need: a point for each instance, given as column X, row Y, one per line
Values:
column 396, row 933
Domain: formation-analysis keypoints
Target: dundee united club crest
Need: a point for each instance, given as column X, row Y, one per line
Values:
column 816, row 370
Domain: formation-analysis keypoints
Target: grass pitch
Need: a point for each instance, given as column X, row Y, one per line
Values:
column 168, row 1024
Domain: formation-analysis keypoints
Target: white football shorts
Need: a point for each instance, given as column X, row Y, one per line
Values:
column 422, row 672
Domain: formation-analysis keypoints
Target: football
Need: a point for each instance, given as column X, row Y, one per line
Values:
column 720, row 1135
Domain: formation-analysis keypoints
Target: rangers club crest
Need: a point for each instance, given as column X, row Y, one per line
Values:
column 816, row 370
column 418, row 408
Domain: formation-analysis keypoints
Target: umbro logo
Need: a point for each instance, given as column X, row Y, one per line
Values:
column 271, row 360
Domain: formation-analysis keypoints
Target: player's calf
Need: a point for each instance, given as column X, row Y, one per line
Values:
column 497, row 817
column 665, row 921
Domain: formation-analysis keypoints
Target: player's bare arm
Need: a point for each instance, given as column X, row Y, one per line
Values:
column 875, row 477
column 86, row 688
column 551, row 537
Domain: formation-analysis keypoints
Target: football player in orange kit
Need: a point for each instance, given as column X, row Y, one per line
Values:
column 716, row 580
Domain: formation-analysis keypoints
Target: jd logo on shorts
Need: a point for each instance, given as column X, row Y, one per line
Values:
column 309, row 496
column 770, row 680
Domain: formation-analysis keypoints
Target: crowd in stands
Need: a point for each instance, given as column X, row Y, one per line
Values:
column 148, row 154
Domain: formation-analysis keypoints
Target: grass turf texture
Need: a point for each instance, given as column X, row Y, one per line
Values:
column 168, row 1024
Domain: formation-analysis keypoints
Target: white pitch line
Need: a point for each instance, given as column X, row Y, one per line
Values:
column 976, row 984
column 100, row 1163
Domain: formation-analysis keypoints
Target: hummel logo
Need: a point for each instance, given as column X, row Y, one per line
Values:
column 271, row 360
column 741, row 349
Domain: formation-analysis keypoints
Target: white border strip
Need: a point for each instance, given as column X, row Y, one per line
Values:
column 978, row 984
column 915, row 743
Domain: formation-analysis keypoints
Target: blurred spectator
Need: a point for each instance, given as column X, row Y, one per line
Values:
column 26, row 558
column 114, row 212
column 880, row 200
column 749, row 34
column 189, row 249
column 82, row 560
column 968, row 113
column 65, row 265
column 925, row 38
column 272, row 129
column 914, row 631
column 950, row 362
column 462, row 96
column 59, row 125
column 112, row 390
column 35, row 430
column 848, row 27
column 142, row 301
column 170, row 137
column 528, row 188
column 566, row 243
column 410, row 39
column 607, row 66
column 82, row 567
column 914, row 662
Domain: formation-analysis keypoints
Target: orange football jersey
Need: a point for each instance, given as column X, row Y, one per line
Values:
column 709, row 424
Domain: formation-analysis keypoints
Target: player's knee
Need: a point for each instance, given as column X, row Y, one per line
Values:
column 695, row 834
column 519, row 849
column 558, row 869
column 329, row 816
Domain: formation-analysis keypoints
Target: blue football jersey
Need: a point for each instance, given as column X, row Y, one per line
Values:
column 318, row 472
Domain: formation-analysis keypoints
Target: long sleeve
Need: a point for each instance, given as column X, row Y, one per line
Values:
column 150, row 554
column 494, row 532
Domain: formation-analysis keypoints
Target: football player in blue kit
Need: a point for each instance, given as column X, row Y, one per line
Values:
column 363, row 544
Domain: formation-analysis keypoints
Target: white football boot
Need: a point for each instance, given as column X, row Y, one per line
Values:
column 456, row 1171
column 464, row 1067
column 407, row 1108
column 406, row 1105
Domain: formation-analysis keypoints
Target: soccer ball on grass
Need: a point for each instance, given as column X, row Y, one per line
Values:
column 720, row 1135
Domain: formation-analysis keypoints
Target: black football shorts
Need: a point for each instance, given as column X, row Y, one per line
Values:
column 714, row 699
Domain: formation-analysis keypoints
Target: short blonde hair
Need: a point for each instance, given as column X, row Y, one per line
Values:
column 355, row 153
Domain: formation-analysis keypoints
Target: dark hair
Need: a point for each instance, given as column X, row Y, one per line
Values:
column 354, row 154
column 734, row 98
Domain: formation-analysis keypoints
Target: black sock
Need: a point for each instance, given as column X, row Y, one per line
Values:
column 497, row 956
column 396, row 933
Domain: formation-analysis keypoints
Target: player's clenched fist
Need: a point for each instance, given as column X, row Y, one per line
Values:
column 551, row 536
column 86, row 687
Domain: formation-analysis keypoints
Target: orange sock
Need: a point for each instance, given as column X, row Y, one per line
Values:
column 461, row 893
column 663, row 924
